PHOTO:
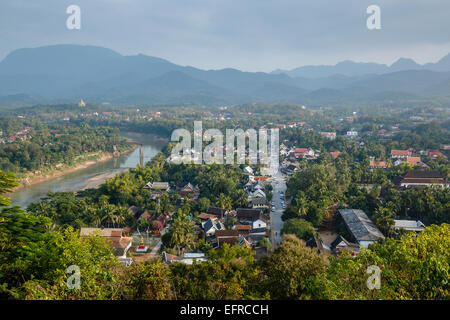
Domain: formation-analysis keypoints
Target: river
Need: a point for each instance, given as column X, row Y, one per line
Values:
column 89, row 177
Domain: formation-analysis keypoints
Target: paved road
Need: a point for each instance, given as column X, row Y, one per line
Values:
column 154, row 252
column 155, row 249
column 278, row 185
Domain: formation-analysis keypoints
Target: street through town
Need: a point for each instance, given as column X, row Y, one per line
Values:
column 279, row 185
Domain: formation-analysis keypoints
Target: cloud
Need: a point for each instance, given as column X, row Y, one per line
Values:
column 251, row 34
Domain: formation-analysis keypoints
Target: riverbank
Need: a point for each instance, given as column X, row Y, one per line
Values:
column 56, row 172
column 96, row 181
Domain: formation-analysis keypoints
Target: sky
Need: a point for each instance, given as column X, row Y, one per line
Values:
column 250, row 35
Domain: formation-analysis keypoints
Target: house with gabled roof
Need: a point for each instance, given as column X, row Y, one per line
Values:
column 434, row 154
column 185, row 189
column 218, row 212
column 248, row 170
column 205, row 216
column 335, row 154
column 340, row 243
column 259, row 202
column 243, row 229
column 290, row 168
column 316, row 243
column 159, row 186
column 423, row 178
column 329, row 135
column 230, row 237
column 211, row 226
column 361, row 227
column 254, row 217
column 157, row 189
column 378, row 164
column 415, row 161
column 258, row 193
column 409, row 225
column 115, row 237
column 395, row 154
column 187, row 258
column 227, row 236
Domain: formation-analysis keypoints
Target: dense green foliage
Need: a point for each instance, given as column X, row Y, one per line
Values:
column 301, row 228
column 45, row 146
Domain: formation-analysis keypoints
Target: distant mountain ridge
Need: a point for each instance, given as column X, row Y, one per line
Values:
column 64, row 73
column 351, row 68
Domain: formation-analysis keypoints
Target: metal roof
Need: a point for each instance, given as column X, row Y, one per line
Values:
column 359, row 224
column 409, row 225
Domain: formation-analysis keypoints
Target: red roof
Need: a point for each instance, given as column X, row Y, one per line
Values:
column 243, row 227
column 328, row 133
column 381, row 164
column 434, row 153
column 301, row 150
column 413, row 160
column 335, row 154
column 400, row 152
column 206, row 216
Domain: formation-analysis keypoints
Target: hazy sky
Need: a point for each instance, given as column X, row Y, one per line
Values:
column 253, row 35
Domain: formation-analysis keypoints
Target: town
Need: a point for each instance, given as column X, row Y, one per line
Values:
column 224, row 159
column 345, row 186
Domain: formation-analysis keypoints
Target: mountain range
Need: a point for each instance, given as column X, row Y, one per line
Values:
column 63, row 73
column 352, row 69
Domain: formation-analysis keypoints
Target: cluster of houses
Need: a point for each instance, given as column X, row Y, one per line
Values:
column 295, row 154
column 290, row 124
column 250, row 227
column 24, row 134
column 21, row 135
column 255, row 189
column 118, row 114
column 410, row 156
column 250, row 224
column 183, row 189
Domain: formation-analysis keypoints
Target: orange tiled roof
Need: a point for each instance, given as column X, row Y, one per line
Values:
column 335, row 154
column 413, row 160
column 400, row 152
column 243, row 227
column 380, row 164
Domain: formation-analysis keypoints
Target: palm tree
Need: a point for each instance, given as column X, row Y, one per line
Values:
column 182, row 233
column 224, row 202
column 121, row 215
column 241, row 198
column 110, row 216
column 302, row 204
column 384, row 219
column 97, row 217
